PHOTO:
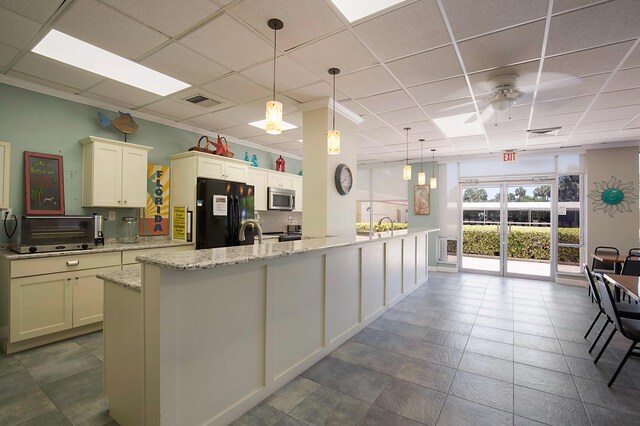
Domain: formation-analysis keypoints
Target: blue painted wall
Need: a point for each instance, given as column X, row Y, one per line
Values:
column 429, row 221
column 31, row 121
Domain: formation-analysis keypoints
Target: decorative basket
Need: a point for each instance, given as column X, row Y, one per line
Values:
column 204, row 149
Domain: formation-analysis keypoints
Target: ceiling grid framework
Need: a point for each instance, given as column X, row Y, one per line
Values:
column 578, row 63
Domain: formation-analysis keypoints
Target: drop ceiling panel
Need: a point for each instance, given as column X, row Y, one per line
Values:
column 564, row 5
column 573, row 87
column 489, row 16
column 7, row 53
column 507, row 126
column 432, row 139
column 390, row 101
column 384, row 136
column 590, row 61
column 175, row 18
column 635, row 123
column 592, row 137
column 36, row 10
column 363, row 142
column 194, row 91
column 243, row 113
column 430, row 93
column 309, row 93
column 556, row 120
column 304, row 20
column 504, row 48
column 563, row 106
column 601, row 126
column 405, row 30
column 429, row 66
column 15, row 30
column 617, row 99
column 237, row 88
column 291, row 146
column 370, row 122
column 367, row 82
column 122, row 93
column 289, row 75
column 354, row 107
column 627, row 112
column 594, row 26
column 57, row 72
column 271, row 140
column 401, row 116
column 342, row 50
column 629, row 133
column 104, row 27
column 634, row 58
column 229, row 43
column 418, row 126
column 172, row 109
column 449, row 108
column 47, row 83
column 624, row 79
column 184, row 64
column 211, row 121
column 243, row 131
column 507, row 144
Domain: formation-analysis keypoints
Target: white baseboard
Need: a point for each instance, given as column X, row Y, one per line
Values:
column 577, row 281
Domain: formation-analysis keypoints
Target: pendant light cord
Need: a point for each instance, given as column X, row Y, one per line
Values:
column 334, row 102
column 407, row 146
column 275, row 43
column 421, row 143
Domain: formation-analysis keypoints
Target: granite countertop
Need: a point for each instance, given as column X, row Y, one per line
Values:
column 128, row 278
column 213, row 258
column 108, row 247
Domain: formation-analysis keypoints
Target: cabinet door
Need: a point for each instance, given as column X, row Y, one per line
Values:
column 40, row 305
column 273, row 179
column 286, row 180
column 297, row 186
column 134, row 177
column 235, row 172
column 107, row 175
column 210, row 169
column 88, row 296
column 260, row 186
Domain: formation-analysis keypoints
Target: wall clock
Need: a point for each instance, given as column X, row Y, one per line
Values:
column 343, row 179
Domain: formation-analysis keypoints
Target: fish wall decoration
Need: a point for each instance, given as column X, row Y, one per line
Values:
column 124, row 123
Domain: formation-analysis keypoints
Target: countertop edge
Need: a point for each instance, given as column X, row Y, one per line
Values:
column 130, row 279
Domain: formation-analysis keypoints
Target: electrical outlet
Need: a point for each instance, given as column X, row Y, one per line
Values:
column 112, row 216
column 6, row 212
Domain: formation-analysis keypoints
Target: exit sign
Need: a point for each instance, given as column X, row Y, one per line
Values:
column 509, row 156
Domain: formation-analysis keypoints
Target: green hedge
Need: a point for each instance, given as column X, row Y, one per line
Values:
column 386, row 226
column 525, row 242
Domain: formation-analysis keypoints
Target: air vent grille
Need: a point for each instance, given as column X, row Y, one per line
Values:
column 549, row 131
column 202, row 101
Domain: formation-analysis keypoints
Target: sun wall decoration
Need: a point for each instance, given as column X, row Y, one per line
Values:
column 613, row 196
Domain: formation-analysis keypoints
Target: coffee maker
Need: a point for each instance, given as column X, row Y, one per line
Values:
column 98, row 231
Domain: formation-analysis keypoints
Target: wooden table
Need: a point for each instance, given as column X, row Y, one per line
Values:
column 628, row 283
column 616, row 259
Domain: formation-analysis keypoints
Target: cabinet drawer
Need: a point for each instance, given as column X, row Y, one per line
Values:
column 129, row 256
column 50, row 265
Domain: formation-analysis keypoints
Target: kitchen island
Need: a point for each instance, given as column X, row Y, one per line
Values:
column 221, row 329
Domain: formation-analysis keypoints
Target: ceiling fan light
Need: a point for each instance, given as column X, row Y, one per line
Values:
column 406, row 172
column 503, row 104
column 273, row 125
column 333, row 142
column 422, row 178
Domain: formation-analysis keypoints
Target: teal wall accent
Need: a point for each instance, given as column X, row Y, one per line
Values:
column 429, row 221
column 31, row 121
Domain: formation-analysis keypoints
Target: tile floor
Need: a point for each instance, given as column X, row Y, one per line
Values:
column 461, row 350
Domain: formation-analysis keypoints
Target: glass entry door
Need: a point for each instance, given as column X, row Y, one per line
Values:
column 508, row 228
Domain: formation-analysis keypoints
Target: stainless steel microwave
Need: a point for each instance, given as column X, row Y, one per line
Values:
column 281, row 199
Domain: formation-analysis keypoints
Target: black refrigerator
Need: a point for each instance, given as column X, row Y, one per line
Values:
column 221, row 207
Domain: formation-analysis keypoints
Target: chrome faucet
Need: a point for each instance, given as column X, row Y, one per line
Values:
column 390, row 220
column 255, row 224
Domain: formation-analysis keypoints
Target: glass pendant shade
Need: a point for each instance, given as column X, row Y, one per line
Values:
column 433, row 183
column 333, row 142
column 406, row 172
column 422, row 178
column 274, row 118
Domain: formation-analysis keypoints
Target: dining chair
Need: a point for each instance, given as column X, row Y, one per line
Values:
column 631, row 265
column 625, row 310
column 634, row 251
column 600, row 266
column 629, row 328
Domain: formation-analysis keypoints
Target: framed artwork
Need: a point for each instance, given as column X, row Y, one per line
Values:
column 421, row 199
column 5, row 161
column 44, row 183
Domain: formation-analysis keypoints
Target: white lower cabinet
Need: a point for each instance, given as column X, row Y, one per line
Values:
column 88, row 295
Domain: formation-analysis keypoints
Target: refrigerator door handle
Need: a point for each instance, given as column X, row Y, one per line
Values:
column 230, row 226
column 237, row 210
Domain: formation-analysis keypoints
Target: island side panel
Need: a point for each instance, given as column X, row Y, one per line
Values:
column 343, row 293
column 408, row 264
column 393, row 271
column 372, row 281
column 421, row 258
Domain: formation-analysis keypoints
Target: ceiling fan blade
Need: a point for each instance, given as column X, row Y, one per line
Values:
column 455, row 107
column 551, row 81
column 487, row 114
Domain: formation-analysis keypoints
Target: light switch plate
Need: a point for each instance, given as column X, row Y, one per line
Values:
column 112, row 216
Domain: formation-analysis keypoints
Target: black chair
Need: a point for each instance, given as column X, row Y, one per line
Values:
column 600, row 266
column 634, row 252
column 631, row 266
column 629, row 328
column 625, row 310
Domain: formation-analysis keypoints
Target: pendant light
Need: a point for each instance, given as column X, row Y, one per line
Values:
column 433, row 182
column 333, row 135
column 273, row 125
column 422, row 177
column 406, row 170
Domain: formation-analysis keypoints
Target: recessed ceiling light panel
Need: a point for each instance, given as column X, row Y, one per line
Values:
column 71, row 51
column 458, row 125
column 262, row 124
column 357, row 9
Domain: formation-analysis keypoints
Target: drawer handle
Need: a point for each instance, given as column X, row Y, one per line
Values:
column 73, row 262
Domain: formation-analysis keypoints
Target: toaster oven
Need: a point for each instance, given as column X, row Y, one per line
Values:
column 55, row 233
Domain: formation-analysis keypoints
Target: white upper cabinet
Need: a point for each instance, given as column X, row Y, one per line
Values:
column 280, row 180
column 258, row 178
column 297, row 186
column 114, row 174
column 222, row 168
